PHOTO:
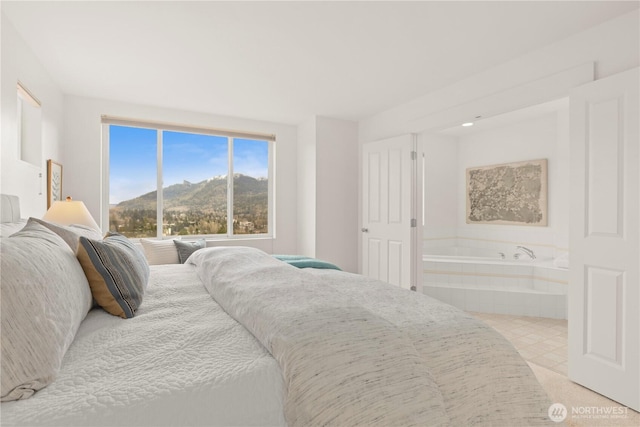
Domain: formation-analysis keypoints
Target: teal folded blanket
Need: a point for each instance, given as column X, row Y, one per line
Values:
column 301, row 261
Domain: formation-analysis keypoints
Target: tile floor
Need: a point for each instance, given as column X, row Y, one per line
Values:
column 539, row 340
column 544, row 342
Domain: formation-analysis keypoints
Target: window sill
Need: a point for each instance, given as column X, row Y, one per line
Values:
column 210, row 238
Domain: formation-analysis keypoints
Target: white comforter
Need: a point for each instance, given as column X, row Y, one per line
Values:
column 181, row 361
column 355, row 351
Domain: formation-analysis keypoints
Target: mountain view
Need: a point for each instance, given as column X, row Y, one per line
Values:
column 196, row 209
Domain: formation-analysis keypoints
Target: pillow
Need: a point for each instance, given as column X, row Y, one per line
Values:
column 9, row 228
column 160, row 251
column 45, row 297
column 117, row 272
column 70, row 233
column 185, row 249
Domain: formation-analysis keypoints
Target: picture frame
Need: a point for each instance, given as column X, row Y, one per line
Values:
column 508, row 194
column 54, row 182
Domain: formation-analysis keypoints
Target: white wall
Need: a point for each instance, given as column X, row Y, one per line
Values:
column 18, row 177
column 328, row 191
column 440, row 194
column 337, row 192
column 83, row 156
column 538, row 138
column 306, row 209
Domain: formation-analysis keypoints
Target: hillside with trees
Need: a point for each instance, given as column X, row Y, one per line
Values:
column 196, row 209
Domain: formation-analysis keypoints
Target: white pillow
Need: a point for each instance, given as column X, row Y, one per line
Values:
column 160, row 251
column 9, row 228
column 70, row 233
column 45, row 297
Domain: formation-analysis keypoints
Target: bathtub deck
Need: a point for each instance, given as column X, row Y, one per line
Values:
column 535, row 289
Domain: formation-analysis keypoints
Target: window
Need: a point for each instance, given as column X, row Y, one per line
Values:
column 212, row 182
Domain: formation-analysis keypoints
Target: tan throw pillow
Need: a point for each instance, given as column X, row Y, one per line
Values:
column 45, row 297
column 117, row 272
column 160, row 251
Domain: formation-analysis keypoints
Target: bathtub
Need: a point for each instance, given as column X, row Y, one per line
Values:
column 477, row 279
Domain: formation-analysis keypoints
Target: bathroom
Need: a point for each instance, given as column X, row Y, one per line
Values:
column 485, row 266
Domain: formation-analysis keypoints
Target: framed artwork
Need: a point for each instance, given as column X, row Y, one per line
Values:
column 511, row 193
column 54, row 182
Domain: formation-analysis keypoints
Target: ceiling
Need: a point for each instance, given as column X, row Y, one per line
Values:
column 509, row 118
column 287, row 61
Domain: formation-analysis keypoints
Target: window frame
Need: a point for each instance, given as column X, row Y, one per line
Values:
column 159, row 127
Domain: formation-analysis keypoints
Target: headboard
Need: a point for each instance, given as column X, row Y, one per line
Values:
column 10, row 208
column 10, row 221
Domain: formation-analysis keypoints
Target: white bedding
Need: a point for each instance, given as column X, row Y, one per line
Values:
column 181, row 361
column 355, row 351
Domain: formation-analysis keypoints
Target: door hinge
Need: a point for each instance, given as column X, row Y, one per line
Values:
column 414, row 222
column 414, row 155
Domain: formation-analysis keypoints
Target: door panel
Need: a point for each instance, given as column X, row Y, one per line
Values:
column 603, row 297
column 373, row 190
column 604, row 168
column 604, row 293
column 395, row 262
column 373, row 259
column 395, row 186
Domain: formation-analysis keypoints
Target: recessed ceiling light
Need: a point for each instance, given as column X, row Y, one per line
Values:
column 467, row 124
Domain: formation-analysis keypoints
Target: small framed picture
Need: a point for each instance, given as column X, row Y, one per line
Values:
column 54, row 182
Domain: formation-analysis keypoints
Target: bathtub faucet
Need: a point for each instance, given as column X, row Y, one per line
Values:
column 525, row 250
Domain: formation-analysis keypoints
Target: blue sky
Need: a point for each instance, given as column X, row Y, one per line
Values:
column 186, row 156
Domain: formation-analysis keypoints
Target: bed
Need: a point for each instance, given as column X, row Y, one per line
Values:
column 237, row 337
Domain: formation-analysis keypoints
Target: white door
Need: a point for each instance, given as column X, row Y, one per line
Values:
column 604, row 293
column 387, row 207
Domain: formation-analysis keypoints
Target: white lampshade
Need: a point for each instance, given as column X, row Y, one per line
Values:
column 70, row 212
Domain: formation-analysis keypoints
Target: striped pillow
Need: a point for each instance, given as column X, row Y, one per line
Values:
column 117, row 272
column 160, row 251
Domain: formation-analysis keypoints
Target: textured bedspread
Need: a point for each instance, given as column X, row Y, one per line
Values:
column 182, row 361
column 355, row 351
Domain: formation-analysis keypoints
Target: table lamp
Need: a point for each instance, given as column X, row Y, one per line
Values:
column 70, row 212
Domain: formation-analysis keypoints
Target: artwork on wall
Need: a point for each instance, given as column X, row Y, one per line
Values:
column 54, row 182
column 512, row 193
